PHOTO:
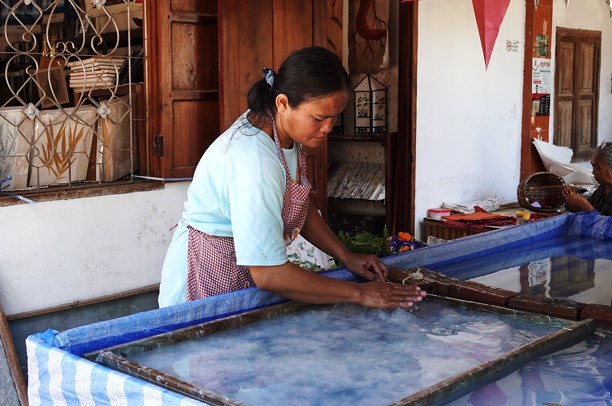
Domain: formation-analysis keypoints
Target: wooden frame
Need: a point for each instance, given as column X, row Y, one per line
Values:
column 120, row 357
column 52, row 86
column 12, row 384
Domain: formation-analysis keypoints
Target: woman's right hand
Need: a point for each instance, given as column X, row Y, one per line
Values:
column 387, row 295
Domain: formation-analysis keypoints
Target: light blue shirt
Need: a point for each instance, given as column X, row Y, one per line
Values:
column 237, row 191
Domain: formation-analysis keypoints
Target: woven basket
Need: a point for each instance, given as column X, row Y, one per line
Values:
column 541, row 192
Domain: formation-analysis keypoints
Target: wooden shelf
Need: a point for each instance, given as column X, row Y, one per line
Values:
column 356, row 206
column 346, row 138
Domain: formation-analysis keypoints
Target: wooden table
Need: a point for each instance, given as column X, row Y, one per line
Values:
column 440, row 229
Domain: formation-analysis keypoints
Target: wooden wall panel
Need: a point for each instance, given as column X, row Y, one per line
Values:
column 565, row 80
column 584, row 127
column 564, row 119
column 198, row 121
column 577, row 88
column 248, row 45
column 587, row 55
column 195, row 6
column 245, row 48
column 187, row 83
column 192, row 68
column 293, row 28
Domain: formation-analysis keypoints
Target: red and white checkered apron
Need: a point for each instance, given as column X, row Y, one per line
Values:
column 211, row 260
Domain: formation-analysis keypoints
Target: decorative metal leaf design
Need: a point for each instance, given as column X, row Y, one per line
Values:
column 58, row 150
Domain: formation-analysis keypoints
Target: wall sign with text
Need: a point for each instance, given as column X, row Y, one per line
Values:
column 541, row 85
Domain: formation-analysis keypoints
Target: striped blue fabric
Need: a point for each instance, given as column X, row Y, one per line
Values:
column 590, row 224
column 57, row 377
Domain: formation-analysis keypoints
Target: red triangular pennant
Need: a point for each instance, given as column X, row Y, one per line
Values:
column 489, row 16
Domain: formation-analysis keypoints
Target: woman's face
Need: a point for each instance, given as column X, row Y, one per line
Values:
column 311, row 121
column 601, row 171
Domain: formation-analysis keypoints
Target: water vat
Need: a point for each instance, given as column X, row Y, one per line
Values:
column 344, row 354
column 58, row 370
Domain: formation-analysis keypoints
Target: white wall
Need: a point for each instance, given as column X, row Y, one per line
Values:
column 591, row 15
column 468, row 117
column 54, row 253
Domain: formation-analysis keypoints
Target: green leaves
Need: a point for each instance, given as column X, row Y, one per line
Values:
column 366, row 243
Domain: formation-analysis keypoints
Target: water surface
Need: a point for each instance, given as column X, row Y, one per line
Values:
column 344, row 354
column 576, row 376
column 574, row 268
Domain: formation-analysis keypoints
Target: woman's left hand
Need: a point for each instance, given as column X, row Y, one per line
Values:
column 368, row 267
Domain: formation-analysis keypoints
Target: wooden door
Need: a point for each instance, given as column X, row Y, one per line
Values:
column 577, row 90
column 260, row 34
column 183, row 71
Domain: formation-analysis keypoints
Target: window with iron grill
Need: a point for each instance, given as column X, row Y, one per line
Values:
column 72, row 93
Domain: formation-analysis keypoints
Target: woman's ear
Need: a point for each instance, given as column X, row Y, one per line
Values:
column 282, row 103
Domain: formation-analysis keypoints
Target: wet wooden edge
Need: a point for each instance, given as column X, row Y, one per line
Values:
column 439, row 284
column 117, row 357
column 462, row 384
column 164, row 380
column 201, row 329
column 436, row 283
column 10, row 356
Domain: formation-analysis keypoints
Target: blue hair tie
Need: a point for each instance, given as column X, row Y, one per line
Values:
column 269, row 75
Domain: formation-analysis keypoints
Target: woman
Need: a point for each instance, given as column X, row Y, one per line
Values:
column 249, row 199
column 601, row 199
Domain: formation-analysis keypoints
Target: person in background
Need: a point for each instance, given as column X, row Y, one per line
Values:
column 249, row 199
column 601, row 199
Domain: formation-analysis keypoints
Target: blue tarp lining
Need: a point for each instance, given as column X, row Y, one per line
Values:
column 97, row 336
column 580, row 247
column 93, row 337
column 589, row 224
column 477, row 245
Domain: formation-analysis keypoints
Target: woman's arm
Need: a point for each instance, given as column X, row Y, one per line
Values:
column 576, row 201
column 319, row 234
column 298, row 284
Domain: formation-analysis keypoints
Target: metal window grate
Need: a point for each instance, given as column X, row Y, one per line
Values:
column 67, row 100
